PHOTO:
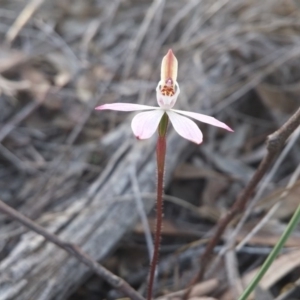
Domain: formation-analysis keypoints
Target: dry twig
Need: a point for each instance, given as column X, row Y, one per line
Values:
column 23, row 18
column 274, row 208
column 75, row 251
column 275, row 142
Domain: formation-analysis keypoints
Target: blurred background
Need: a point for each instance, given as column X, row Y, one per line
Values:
column 81, row 174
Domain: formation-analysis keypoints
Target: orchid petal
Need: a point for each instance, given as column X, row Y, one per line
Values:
column 125, row 107
column 204, row 119
column 145, row 124
column 185, row 127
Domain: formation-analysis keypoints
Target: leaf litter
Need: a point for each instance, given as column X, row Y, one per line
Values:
column 237, row 59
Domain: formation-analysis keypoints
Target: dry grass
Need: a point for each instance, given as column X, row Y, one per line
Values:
column 238, row 60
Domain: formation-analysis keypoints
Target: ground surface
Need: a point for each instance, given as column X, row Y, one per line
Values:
column 238, row 61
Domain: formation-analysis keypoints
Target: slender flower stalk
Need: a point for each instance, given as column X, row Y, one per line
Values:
column 161, row 147
column 145, row 124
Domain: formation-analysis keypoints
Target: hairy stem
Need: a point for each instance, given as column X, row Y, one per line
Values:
column 160, row 158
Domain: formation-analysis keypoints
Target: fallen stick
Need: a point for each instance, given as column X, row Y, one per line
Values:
column 115, row 281
column 275, row 142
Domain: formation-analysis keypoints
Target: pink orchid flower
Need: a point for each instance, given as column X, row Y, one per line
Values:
column 145, row 124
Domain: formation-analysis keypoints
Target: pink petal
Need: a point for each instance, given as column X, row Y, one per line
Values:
column 125, row 107
column 185, row 127
column 145, row 124
column 204, row 119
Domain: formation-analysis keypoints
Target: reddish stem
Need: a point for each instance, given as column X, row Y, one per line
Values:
column 160, row 155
